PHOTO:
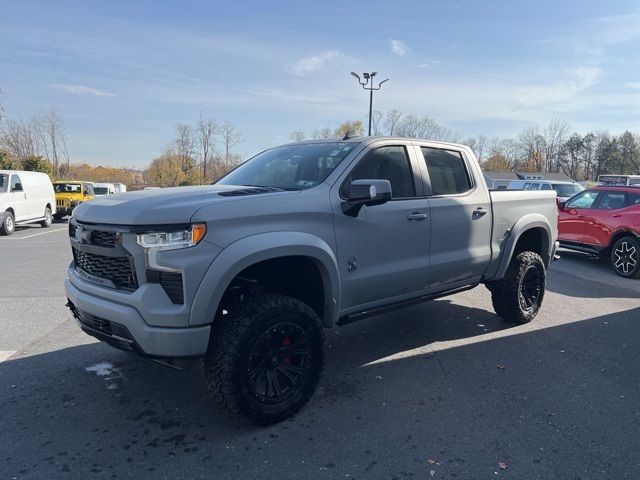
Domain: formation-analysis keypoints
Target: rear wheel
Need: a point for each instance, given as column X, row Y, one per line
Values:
column 8, row 225
column 625, row 257
column 265, row 359
column 48, row 219
column 518, row 296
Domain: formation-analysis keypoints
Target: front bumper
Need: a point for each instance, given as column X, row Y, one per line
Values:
column 123, row 327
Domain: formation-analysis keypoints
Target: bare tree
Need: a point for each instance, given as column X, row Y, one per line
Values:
column 20, row 139
column 532, row 143
column 50, row 130
column 321, row 133
column 376, row 117
column 391, row 119
column 206, row 132
column 184, row 146
column 297, row 136
column 230, row 138
column 555, row 135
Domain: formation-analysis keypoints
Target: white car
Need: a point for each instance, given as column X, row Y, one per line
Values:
column 25, row 197
column 564, row 190
column 120, row 187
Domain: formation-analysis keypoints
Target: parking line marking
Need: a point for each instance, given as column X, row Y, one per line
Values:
column 5, row 355
column 41, row 233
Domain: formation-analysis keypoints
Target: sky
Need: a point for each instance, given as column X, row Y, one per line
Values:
column 123, row 73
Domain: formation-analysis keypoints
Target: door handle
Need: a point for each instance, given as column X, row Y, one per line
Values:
column 478, row 212
column 617, row 215
column 417, row 216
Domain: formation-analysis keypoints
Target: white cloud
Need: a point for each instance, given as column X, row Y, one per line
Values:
column 579, row 79
column 431, row 61
column 398, row 47
column 306, row 65
column 81, row 90
column 633, row 84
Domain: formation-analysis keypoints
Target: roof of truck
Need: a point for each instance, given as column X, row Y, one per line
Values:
column 369, row 139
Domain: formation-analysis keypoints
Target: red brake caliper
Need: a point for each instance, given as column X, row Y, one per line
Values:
column 287, row 341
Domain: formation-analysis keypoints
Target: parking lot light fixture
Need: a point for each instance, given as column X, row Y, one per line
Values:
column 368, row 84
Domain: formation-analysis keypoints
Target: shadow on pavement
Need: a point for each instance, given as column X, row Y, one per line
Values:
column 552, row 403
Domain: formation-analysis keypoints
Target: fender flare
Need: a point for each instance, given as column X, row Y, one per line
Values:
column 235, row 258
column 528, row 222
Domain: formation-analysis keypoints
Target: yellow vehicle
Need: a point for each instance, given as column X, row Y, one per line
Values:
column 69, row 194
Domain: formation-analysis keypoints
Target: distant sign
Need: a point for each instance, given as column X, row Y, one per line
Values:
column 613, row 179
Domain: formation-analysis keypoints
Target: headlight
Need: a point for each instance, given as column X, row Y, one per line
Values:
column 173, row 240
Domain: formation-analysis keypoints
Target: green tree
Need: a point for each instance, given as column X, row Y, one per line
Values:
column 7, row 162
column 36, row 163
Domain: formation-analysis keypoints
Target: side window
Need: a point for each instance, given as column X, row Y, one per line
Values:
column 447, row 171
column 612, row 200
column 527, row 186
column 385, row 163
column 633, row 199
column 16, row 183
column 583, row 200
column 545, row 186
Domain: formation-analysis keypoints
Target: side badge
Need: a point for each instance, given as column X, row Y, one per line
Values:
column 352, row 264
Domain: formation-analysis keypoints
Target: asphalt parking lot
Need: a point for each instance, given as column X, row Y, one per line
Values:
column 440, row 390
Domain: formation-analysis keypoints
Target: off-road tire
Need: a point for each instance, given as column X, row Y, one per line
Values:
column 625, row 253
column 8, row 225
column 518, row 296
column 234, row 339
column 48, row 219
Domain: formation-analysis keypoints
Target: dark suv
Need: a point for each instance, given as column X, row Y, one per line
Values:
column 604, row 221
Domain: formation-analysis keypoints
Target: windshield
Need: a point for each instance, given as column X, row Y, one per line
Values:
column 68, row 188
column 4, row 182
column 292, row 167
column 101, row 190
column 567, row 189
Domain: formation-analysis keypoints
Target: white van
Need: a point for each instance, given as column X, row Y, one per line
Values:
column 564, row 190
column 104, row 189
column 25, row 197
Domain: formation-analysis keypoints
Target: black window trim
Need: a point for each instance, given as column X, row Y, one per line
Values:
column 428, row 190
column 414, row 177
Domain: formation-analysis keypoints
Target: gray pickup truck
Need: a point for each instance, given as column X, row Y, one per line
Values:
column 246, row 273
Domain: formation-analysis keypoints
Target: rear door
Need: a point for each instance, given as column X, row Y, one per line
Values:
column 460, row 216
column 609, row 214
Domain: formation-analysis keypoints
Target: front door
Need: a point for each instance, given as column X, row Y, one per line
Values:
column 18, row 199
column 383, row 251
column 460, row 218
column 571, row 219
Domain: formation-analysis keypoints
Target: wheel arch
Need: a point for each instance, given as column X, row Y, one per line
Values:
column 532, row 232
column 617, row 235
column 251, row 251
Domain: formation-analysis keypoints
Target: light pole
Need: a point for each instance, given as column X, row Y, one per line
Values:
column 367, row 83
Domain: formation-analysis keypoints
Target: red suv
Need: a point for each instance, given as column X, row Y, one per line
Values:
column 604, row 221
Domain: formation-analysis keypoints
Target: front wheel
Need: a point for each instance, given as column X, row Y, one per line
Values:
column 518, row 296
column 265, row 359
column 625, row 257
column 48, row 219
column 8, row 225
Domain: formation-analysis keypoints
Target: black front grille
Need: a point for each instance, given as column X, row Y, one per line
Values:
column 170, row 282
column 117, row 269
column 72, row 230
column 96, row 323
column 103, row 239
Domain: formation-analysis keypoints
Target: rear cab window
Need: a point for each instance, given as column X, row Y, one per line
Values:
column 447, row 171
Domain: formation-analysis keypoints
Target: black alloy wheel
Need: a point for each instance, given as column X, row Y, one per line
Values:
column 625, row 257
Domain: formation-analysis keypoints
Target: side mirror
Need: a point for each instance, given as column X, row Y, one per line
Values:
column 561, row 205
column 17, row 188
column 366, row 192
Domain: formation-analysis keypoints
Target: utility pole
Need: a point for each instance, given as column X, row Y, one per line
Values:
column 367, row 83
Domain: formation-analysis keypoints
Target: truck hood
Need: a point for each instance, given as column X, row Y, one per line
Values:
column 163, row 206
